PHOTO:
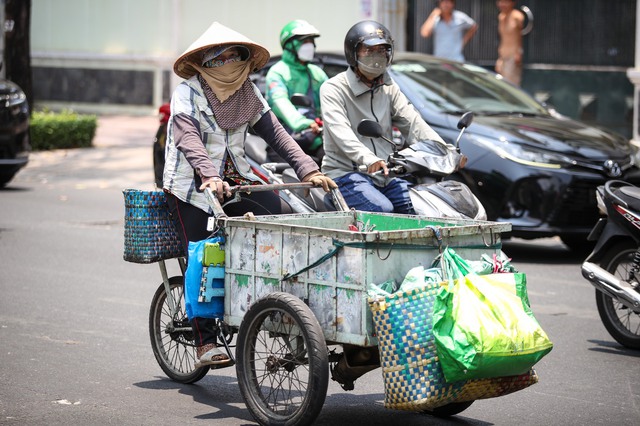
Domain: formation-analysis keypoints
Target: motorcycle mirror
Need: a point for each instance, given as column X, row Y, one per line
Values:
column 465, row 120
column 370, row 129
column 301, row 100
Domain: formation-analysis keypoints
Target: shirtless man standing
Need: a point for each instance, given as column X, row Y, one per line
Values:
column 510, row 23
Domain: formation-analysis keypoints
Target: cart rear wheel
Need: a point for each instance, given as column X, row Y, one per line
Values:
column 282, row 361
column 449, row 409
column 172, row 337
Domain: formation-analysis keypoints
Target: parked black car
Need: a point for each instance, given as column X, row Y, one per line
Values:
column 14, row 130
column 528, row 164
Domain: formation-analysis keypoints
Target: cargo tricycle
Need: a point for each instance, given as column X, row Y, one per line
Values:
column 295, row 299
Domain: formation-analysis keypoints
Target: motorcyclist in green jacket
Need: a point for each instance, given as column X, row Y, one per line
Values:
column 295, row 74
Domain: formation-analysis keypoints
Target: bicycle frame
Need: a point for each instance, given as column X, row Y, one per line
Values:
column 173, row 306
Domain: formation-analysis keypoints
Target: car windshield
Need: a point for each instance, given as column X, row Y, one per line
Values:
column 455, row 88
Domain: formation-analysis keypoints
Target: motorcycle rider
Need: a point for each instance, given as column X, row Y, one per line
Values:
column 295, row 74
column 366, row 91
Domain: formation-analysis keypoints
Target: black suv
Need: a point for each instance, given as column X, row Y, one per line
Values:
column 14, row 130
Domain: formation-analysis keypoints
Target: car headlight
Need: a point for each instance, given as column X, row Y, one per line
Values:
column 13, row 99
column 17, row 98
column 524, row 155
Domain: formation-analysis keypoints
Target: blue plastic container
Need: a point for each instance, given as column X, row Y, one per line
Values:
column 204, row 285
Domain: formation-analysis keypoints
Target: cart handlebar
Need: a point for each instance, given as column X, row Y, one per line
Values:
column 336, row 196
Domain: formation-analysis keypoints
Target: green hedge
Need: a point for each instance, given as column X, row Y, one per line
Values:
column 64, row 129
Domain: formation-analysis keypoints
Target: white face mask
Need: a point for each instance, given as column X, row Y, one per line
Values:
column 306, row 52
column 373, row 66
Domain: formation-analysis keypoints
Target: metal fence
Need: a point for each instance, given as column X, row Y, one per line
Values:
column 566, row 32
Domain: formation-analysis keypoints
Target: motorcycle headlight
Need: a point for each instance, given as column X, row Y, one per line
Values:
column 524, row 155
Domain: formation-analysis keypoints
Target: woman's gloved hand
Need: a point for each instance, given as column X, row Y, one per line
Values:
column 318, row 179
column 218, row 186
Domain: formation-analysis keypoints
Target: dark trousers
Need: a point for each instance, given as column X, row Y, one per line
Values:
column 191, row 224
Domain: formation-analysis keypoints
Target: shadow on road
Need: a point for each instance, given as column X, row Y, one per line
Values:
column 611, row 347
column 546, row 251
column 368, row 410
column 15, row 188
column 222, row 394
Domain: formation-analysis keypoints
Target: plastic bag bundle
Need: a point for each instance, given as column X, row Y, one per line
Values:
column 483, row 325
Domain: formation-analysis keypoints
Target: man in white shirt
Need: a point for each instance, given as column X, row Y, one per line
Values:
column 451, row 30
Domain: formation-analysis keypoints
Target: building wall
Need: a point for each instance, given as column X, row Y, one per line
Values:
column 575, row 58
column 117, row 55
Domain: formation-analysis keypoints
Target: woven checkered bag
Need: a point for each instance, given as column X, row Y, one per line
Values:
column 412, row 375
column 149, row 234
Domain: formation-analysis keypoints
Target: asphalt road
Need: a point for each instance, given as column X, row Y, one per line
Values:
column 74, row 345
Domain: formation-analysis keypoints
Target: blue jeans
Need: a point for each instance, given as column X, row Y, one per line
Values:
column 360, row 193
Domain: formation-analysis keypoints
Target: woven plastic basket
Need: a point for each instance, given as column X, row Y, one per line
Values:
column 149, row 235
column 412, row 375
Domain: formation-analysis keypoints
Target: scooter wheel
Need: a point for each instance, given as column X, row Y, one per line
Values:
column 621, row 322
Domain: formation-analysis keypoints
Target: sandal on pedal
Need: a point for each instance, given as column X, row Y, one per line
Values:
column 211, row 355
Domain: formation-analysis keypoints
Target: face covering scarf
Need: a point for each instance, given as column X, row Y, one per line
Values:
column 227, row 79
column 240, row 103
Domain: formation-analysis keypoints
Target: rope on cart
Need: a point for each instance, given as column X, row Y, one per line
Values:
column 378, row 245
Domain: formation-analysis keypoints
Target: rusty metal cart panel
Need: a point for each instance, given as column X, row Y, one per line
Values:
column 373, row 248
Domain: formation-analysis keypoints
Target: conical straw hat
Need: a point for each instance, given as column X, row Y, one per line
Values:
column 218, row 34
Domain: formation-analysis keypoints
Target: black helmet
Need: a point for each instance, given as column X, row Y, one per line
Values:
column 371, row 33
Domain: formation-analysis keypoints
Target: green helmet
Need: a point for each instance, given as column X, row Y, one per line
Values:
column 298, row 28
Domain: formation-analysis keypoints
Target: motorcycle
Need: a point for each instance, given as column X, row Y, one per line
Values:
column 613, row 267
column 431, row 195
column 425, row 165
column 307, row 139
column 422, row 163
column 159, row 143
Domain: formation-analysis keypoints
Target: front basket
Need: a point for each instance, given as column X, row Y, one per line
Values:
column 149, row 234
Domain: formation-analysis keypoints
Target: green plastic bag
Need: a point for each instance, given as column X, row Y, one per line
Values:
column 483, row 326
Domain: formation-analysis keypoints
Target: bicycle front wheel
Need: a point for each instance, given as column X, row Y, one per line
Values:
column 282, row 361
column 172, row 339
